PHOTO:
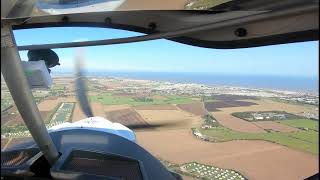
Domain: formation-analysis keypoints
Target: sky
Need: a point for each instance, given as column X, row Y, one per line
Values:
column 296, row 59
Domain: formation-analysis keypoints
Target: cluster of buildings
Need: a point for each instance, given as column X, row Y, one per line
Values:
column 306, row 99
column 199, row 135
column 267, row 116
column 210, row 172
column 16, row 134
column 310, row 115
column 146, row 87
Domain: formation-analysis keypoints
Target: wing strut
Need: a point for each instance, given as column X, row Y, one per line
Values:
column 15, row 78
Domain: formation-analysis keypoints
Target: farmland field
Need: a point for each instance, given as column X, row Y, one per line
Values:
column 48, row 105
column 194, row 108
column 302, row 123
column 127, row 117
column 234, row 144
column 170, row 118
column 109, row 99
column 295, row 140
column 225, row 117
column 63, row 114
column 244, row 156
column 116, row 107
column 236, row 124
column 6, row 102
column 216, row 105
column 156, row 107
column 270, row 105
column 9, row 115
column 274, row 126
column 77, row 113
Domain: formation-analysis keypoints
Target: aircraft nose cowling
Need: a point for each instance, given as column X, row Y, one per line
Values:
column 98, row 124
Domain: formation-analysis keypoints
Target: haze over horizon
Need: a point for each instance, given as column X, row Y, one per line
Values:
column 296, row 60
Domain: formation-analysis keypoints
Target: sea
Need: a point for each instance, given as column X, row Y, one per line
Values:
column 287, row 83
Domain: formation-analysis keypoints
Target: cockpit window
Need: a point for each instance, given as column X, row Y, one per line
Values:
column 194, row 100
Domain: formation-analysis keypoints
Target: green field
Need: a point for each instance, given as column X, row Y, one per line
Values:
column 58, row 87
column 304, row 140
column 209, row 120
column 6, row 102
column 62, row 114
column 109, row 99
column 302, row 123
column 13, row 129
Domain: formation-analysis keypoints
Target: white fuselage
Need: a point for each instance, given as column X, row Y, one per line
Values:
column 98, row 124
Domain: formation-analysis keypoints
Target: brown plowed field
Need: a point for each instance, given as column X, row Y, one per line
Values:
column 97, row 109
column 52, row 98
column 6, row 118
column 77, row 113
column 45, row 115
column 235, row 123
column 48, row 104
column 275, row 126
column 116, row 107
column 254, row 159
column 268, row 105
column 156, row 107
column 216, row 105
column 194, row 108
column 127, row 117
column 17, row 119
column 170, row 119
column 229, row 97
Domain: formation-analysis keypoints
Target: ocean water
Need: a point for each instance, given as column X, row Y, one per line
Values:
column 299, row 84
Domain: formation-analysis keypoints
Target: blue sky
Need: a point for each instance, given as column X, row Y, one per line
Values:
column 298, row 59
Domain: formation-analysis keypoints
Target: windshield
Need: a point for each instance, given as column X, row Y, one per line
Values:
column 205, row 113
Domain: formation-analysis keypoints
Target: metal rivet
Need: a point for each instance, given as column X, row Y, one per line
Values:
column 65, row 19
column 241, row 32
column 107, row 20
column 152, row 26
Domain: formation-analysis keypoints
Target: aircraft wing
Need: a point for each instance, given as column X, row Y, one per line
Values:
column 234, row 24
